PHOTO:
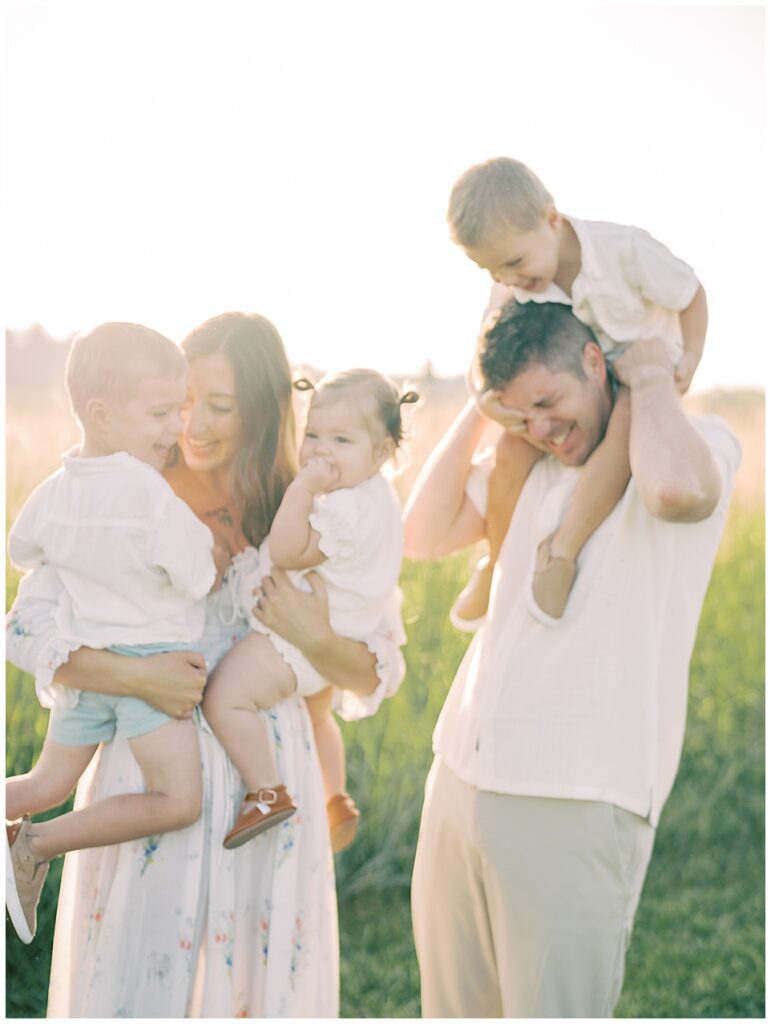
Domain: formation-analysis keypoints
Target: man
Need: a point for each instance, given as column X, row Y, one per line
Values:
column 558, row 745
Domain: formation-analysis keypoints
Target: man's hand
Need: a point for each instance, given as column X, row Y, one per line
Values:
column 672, row 465
column 489, row 404
column 172, row 682
column 644, row 360
column 685, row 370
column 299, row 617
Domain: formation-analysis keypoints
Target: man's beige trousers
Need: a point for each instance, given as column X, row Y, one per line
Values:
column 523, row 906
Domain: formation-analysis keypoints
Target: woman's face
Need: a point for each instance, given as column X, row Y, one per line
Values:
column 211, row 423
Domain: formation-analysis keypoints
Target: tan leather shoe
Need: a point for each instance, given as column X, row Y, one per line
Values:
column 343, row 817
column 553, row 579
column 259, row 811
column 24, row 878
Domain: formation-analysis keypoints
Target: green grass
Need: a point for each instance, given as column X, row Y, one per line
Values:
column 698, row 945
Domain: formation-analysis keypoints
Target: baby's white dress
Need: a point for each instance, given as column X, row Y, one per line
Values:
column 360, row 533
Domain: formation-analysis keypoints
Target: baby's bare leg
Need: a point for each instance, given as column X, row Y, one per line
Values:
column 329, row 742
column 171, row 765
column 252, row 676
column 49, row 782
column 601, row 483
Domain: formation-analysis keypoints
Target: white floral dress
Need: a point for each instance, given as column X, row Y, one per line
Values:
column 175, row 925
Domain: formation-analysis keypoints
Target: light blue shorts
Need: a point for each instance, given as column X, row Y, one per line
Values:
column 99, row 717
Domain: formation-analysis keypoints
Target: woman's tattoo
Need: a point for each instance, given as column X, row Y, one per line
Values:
column 222, row 516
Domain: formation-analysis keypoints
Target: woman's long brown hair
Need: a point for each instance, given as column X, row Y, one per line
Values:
column 266, row 461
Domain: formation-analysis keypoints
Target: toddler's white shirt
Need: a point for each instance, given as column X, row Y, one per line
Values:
column 134, row 561
column 630, row 287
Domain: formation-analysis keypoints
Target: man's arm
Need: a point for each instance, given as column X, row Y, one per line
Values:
column 439, row 517
column 693, row 327
column 672, row 467
column 303, row 620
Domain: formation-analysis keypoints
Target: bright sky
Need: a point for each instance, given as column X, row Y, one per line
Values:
column 169, row 162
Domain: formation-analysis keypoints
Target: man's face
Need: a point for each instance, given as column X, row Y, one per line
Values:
column 524, row 259
column 560, row 413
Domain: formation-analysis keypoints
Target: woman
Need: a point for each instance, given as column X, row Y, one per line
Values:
column 175, row 925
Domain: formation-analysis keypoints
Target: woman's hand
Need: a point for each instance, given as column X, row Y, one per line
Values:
column 300, row 618
column 172, row 682
column 303, row 620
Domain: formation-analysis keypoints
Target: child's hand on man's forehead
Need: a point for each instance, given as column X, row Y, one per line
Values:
column 489, row 403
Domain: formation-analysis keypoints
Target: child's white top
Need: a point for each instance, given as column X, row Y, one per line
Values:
column 134, row 560
column 360, row 532
column 629, row 286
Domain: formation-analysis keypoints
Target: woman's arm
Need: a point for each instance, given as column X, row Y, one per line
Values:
column 172, row 682
column 303, row 620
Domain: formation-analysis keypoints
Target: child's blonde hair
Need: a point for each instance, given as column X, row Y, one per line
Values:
column 499, row 191
column 375, row 396
column 109, row 361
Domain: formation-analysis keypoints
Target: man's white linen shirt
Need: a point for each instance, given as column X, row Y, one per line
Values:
column 592, row 708
column 629, row 287
column 134, row 561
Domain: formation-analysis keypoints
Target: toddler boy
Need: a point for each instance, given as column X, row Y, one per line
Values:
column 134, row 565
column 619, row 281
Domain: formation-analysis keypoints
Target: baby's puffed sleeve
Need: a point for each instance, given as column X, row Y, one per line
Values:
column 182, row 547
column 385, row 644
column 341, row 521
column 661, row 277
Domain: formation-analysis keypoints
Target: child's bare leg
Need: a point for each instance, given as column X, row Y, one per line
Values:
column 49, row 782
column 250, row 678
column 329, row 742
column 601, row 485
column 513, row 460
column 342, row 813
column 170, row 761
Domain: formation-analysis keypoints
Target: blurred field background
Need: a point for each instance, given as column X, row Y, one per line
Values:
column 698, row 946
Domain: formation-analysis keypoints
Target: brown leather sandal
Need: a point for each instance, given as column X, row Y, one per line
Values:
column 343, row 817
column 272, row 805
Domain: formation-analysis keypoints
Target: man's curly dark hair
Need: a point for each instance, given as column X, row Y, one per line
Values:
column 519, row 335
